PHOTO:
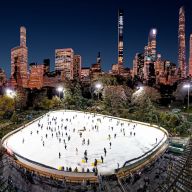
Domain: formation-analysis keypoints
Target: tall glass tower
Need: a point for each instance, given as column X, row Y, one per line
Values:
column 181, row 42
column 120, row 40
column 190, row 56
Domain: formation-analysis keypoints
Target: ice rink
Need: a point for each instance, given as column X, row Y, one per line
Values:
column 61, row 138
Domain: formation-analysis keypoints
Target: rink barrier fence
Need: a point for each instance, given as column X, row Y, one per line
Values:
column 140, row 164
column 90, row 176
column 20, row 128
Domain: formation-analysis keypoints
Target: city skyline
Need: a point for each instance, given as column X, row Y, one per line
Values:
column 43, row 42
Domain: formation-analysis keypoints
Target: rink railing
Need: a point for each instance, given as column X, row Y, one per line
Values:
column 146, row 158
column 42, row 169
column 18, row 129
column 45, row 170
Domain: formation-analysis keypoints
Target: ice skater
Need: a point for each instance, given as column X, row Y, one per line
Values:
column 101, row 158
column 110, row 144
column 85, row 153
column 105, row 151
column 95, row 163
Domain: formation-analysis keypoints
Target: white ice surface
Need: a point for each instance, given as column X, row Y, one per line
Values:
column 123, row 147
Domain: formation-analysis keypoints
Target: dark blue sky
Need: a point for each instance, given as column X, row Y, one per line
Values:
column 89, row 26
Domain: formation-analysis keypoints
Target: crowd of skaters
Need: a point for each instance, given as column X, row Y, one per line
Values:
column 61, row 130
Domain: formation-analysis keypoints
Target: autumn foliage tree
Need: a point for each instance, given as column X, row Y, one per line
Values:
column 7, row 106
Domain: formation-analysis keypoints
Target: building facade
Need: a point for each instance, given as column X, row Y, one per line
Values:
column 2, row 77
column 64, row 62
column 19, row 61
column 138, row 64
column 181, row 42
column 150, row 58
column 36, row 76
column 77, row 67
column 120, row 40
column 190, row 56
column 95, row 69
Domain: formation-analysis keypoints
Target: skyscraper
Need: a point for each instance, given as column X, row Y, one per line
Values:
column 181, row 42
column 150, row 56
column 19, row 60
column 77, row 67
column 152, row 43
column 95, row 69
column 64, row 62
column 120, row 40
column 190, row 56
column 22, row 36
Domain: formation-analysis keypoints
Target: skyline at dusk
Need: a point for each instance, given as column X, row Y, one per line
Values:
column 88, row 28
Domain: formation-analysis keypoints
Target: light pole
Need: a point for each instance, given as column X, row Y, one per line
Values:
column 188, row 87
column 60, row 89
column 98, row 87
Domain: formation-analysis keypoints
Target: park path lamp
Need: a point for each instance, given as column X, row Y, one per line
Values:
column 60, row 89
column 140, row 88
column 98, row 86
column 187, row 86
column 12, row 94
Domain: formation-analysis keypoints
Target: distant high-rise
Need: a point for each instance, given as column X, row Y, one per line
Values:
column 2, row 77
column 64, row 62
column 77, row 67
column 95, row 69
column 120, row 40
column 152, row 43
column 181, row 42
column 190, row 56
column 19, row 60
column 46, row 63
column 99, row 58
column 22, row 36
column 138, row 64
column 150, row 56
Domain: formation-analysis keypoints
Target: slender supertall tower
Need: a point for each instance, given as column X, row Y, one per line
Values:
column 99, row 58
column 152, row 44
column 181, row 41
column 120, row 40
column 19, row 60
column 22, row 36
column 190, row 56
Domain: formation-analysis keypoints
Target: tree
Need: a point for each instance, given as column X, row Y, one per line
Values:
column 56, row 101
column 14, row 117
column 142, row 94
column 116, row 99
column 7, row 106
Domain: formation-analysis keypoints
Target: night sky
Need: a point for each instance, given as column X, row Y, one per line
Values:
column 89, row 26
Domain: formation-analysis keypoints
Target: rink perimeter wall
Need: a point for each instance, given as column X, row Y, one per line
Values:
column 129, row 166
